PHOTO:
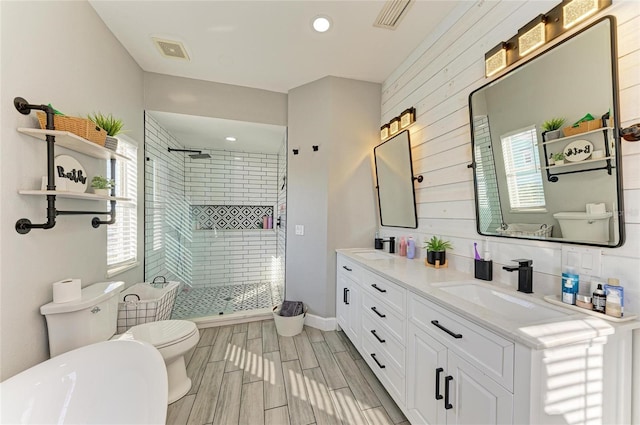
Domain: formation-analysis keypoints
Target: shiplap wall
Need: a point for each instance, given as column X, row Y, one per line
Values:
column 438, row 78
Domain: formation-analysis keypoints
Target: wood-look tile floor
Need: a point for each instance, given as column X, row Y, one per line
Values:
column 247, row 374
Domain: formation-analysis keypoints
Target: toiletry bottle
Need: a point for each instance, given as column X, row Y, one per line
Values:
column 487, row 253
column 615, row 298
column 270, row 222
column 265, row 222
column 570, row 283
column 411, row 248
column 599, row 299
column 584, row 301
column 403, row 247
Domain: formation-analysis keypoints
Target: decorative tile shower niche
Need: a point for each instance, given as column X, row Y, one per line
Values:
column 230, row 217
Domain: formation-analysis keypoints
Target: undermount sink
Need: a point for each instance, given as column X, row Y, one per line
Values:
column 111, row 382
column 374, row 255
column 512, row 307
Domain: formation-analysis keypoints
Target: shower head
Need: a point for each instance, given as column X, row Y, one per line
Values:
column 200, row 156
column 197, row 154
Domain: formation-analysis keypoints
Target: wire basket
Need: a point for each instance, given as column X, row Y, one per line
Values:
column 146, row 302
column 523, row 229
column 82, row 127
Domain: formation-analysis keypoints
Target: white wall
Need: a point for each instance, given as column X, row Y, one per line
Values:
column 58, row 52
column 330, row 192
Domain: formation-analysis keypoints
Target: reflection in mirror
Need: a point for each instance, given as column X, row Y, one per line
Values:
column 529, row 185
column 394, row 172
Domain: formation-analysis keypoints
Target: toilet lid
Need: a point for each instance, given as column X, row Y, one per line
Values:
column 163, row 333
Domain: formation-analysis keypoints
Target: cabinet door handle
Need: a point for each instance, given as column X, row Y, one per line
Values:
column 347, row 268
column 439, row 326
column 376, row 360
column 447, row 404
column 378, row 313
column 373, row 331
column 438, row 372
column 376, row 287
column 346, row 296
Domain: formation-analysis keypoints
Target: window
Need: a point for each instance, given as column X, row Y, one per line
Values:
column 122, row 243
column 522, row 168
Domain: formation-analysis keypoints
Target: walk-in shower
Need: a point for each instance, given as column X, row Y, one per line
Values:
column 215, row 218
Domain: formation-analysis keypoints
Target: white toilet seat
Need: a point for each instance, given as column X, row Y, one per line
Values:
column 164, row 333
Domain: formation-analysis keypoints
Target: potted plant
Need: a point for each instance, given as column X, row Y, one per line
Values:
column 437, row 250
column 111, row 125
column 101, row 185
column 558, row 158
column 552, row 128
column 551, row 160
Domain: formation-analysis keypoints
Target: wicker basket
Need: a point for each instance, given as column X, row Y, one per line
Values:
column 82, row 127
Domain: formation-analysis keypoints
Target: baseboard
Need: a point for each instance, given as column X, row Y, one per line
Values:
column 322, row 323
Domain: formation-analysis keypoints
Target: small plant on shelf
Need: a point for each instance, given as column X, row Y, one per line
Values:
column 558, row 158
column 552, row 128
column 437, row 250
column 108, row 123
column 101, row 185
column 553, row 124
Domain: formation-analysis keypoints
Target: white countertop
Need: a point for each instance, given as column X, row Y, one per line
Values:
column 572, row 327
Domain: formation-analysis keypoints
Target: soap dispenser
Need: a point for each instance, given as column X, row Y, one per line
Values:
column 411, row 248
column 403, row 247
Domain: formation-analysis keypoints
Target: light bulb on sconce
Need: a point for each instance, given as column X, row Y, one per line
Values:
column 495, row 60
column 532, row 35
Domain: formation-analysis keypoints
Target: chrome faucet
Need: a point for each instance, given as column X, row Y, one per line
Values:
column 525, row 274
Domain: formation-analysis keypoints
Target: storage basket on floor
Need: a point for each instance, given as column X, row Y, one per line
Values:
column 146, row 302
column 289, row 326
column 82, row 127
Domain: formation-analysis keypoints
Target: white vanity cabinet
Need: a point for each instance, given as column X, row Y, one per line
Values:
column 453, row 365
column 348, row 298
column 442, row 366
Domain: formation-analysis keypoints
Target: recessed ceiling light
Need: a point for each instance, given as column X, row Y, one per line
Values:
column 321, row 23
column 230, row 139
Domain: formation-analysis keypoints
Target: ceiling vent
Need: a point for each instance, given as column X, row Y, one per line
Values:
column 391, row 14
column 171, row 49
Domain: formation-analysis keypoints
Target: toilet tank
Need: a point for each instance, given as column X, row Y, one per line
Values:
column 88, row 320
column 582, row 226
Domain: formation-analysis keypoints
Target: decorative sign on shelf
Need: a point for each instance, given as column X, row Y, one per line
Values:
column 69, row 170
column 578, row 150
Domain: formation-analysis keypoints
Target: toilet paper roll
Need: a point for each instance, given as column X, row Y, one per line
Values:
column 67, row 290
column 596, row 208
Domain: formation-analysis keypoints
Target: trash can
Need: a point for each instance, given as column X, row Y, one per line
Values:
column 289, row 326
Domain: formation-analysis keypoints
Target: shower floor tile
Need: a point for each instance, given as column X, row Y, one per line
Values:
column 216, row 300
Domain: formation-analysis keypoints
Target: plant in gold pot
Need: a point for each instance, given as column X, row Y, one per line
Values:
column 437, row 250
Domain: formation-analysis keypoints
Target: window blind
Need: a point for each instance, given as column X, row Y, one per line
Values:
column 522, row 168
column 122, row 243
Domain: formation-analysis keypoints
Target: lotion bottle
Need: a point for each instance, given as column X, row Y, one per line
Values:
column 403, row 247
column 570, row 282
column 411, row 248
column 599, row 299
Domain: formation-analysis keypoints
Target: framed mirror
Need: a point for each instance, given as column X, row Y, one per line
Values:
column 394, row 174
column 522, row 189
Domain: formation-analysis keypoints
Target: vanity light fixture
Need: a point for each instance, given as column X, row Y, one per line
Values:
column 495, row 60
column 402, row 121
column 394, row 126
column 532, row 35
column 544, row 28
column 407, row 118
column 384, row 132
column 575, row 11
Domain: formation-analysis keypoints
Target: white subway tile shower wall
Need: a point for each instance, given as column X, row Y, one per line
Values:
column 281, row 214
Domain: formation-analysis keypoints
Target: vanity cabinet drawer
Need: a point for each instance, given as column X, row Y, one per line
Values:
column 380, row 337
column 389, row 292
column 349, row 269
column 492, row 354
column 391, row 377
column 382, row 315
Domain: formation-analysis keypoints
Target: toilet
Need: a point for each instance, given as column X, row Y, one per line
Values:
column 583, row 226
column 93, row 318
